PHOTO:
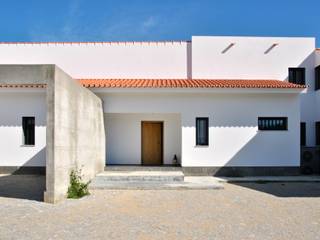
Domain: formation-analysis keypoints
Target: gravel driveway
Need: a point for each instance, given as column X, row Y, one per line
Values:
column 246, row 211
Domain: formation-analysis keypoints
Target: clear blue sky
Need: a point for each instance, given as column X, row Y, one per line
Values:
column 128, row 20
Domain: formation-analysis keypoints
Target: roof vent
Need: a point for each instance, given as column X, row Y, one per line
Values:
column 271, row 47
column 227, row 48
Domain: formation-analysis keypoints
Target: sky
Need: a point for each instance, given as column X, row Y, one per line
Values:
column 155, row 20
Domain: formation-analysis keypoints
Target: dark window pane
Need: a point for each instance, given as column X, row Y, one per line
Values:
column 317, row 133
column 28, row 126
column 297, row 75
column 272, row 123
column 303, row 134
column 202, row 131
column 317, row 78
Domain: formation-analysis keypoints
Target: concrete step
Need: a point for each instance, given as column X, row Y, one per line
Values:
column 139, row 176
column 123, row 168
column 188, row 183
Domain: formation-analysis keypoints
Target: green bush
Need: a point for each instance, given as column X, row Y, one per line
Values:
column 77, row 187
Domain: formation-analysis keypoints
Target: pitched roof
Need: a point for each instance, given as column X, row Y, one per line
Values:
column 172, row 83
column 185, row 83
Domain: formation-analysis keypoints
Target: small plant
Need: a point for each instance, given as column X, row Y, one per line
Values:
column 77, row 187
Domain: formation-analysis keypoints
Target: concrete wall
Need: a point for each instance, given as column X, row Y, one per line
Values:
column 234, row 137
column 123, row 134
column 75, row 134
column 25, row 74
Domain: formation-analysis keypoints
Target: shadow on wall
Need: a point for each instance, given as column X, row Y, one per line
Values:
column 27, row 182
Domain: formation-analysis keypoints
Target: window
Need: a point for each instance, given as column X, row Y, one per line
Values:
column 297, row 75
column 202, row 131
column 28, row 130
column 317, row 133
column 272, row 123
column 317, row 78
column 302, row 133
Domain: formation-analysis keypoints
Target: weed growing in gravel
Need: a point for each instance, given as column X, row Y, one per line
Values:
column 77, row 187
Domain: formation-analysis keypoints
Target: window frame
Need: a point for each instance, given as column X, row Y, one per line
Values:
column 297, row 69
column 206, row 142
column 285, row 128
column 30, row 139
column 317, row 78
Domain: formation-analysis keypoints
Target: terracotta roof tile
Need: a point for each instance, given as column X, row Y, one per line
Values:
column 172, row 83
column 186, row 83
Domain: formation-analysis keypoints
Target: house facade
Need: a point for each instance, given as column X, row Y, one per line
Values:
column 214, row 105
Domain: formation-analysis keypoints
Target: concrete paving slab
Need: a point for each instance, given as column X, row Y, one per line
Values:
column 312, row 178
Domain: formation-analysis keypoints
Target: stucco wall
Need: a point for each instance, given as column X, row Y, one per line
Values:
column 104, row 60
column 123, row 134
column 75, row 134
column 15, row 104
column 234, row 137
column 247, row 60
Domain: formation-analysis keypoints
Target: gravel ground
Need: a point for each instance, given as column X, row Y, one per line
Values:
column 239, row 211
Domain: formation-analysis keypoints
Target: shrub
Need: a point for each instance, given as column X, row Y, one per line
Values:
column 77, row 187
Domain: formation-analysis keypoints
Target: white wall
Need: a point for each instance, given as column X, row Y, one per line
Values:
column 13, row 106
column 247, row 60
column 234, row 138
column 123, row 134
column 104, row 60
column 202, row 58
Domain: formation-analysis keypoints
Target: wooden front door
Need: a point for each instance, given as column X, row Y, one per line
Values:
column 151, row 143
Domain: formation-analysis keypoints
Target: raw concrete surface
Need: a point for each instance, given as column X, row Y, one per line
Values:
column 75, row 134
column 239, row 211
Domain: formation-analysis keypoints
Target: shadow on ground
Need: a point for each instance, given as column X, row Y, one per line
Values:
column 284, row 189
column 29, row 187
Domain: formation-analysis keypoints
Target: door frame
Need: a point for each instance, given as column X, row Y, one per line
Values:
column 161, row 122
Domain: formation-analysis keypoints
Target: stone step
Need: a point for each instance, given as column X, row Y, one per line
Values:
column 122, row 168
column 138, row 176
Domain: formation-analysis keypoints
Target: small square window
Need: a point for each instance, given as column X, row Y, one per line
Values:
column 28, row 126
column 297, row 75
column 202, row 131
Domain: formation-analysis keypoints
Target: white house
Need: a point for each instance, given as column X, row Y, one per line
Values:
column 217, row 105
